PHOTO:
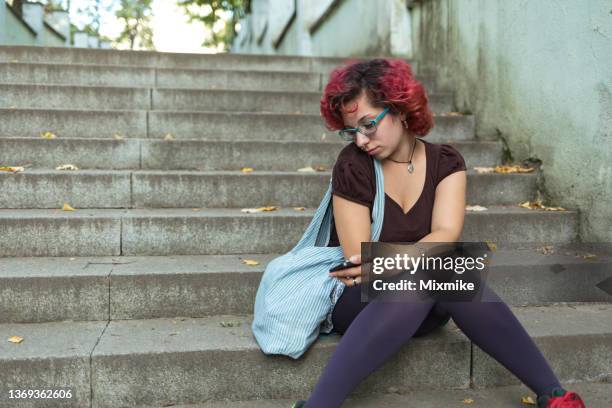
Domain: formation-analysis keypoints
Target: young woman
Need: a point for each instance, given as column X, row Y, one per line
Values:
column 382, row 108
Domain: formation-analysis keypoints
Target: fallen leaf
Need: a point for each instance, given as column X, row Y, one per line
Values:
column 299, row 208
column 537, row 205
column 67, row 167
column 492, row 246
column 260, row 209
column 546, row 249
column 526, row 399
column 307, row 169
column 15, row 339
column 484, row 169
column 475, row 208
column 516, row 168
column 468, row 401
column 195, row 209
column 588, row 256
column 323, row 136
column 72, row 259
column 320, row 168
column 47, row 135
column 13, row 169
column 449, row 114
column 67, row 207
column 250, row 262
column 117, row 136
column 169, row 137
column 246, row 169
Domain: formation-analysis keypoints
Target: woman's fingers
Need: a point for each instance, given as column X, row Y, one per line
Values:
column 353, row 271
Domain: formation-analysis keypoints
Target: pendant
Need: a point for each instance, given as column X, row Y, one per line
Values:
column 410, row 168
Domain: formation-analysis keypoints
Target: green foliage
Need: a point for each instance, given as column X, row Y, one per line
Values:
column 136, row 17
column 211, row 11
column 53, row 5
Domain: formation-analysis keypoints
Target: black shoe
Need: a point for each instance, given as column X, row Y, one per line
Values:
column 299, row 404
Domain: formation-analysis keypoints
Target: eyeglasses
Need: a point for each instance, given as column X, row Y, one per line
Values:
column 367, row 129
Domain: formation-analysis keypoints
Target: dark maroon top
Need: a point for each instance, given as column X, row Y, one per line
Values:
column 353, row 178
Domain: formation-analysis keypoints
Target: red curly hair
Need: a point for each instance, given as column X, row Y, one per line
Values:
column 386, row 82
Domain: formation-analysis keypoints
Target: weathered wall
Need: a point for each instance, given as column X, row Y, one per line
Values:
column 336, row 28
column 12, row 29
column 537, row 74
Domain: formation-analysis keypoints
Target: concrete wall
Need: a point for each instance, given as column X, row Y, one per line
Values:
column 13, row 30
column 538, row 74
column 336, row 28
column 34, row 28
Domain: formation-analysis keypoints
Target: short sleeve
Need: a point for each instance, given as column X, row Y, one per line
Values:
column 450, row 161
column 352, row 181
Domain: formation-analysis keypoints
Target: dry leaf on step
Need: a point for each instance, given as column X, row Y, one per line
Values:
column 15, row 339
column 475, row 208
column 299, row 208
column 468, row 401
column 483, row 169
column 67, row 207
column 307, row 169
column 320, row 168
column 250, row 262
column 13, row 169
column 67, row 167
column 512, row 169
column 246, row 169
column 47, row 135
column 537, row 205
column 169, row 136
column 117, row 136
column 526, row 399
column 546, row 249
column 492, row 246
column 323, row 136
column 260, row 209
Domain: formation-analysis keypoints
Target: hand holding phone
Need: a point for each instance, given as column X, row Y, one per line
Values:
column 344, row 265
column 350, row 277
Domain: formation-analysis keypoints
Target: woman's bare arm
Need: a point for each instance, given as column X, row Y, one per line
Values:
column 352, row 226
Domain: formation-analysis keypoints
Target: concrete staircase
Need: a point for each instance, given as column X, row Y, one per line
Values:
column 141, row 297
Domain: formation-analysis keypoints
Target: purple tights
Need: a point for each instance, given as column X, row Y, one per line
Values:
column 374, row 331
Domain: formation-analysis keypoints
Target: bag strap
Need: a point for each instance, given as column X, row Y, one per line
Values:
column 319, row 229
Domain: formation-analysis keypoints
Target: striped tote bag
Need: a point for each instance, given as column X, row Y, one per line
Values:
column 295, row 292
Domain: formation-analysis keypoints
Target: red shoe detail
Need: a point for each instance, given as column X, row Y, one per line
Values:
column 568, row 400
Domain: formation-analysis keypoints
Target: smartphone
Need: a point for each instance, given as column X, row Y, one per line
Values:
column 343, row 265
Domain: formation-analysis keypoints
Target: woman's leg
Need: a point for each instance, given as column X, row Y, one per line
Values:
column 380, row 329
column 376, row 333
column 495, row 329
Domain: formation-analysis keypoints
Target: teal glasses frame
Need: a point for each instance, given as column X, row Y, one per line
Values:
column 367, row 129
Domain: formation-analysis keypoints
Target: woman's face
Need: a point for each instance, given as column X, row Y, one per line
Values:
column 389, row 132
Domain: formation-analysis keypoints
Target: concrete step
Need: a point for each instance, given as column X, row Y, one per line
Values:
column 158, row 154
column 189, row 360
column 45, row 289
column 139, row 76
column 213, row 231
column 594, row 395
column 188, row 189
column 166, row 99
column 195, row 125
column 246, row 62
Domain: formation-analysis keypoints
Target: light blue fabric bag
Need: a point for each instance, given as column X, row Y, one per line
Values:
column 296, row 295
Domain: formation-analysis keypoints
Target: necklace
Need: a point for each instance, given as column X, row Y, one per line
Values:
column 410, row 166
